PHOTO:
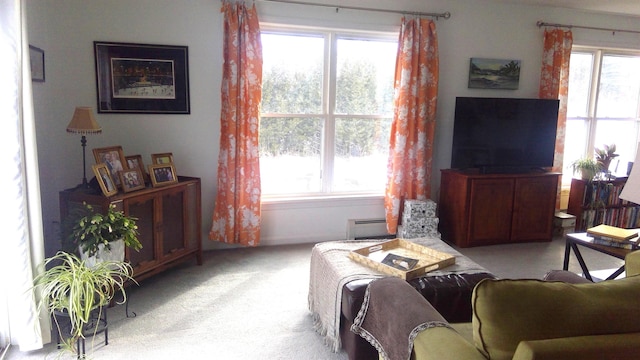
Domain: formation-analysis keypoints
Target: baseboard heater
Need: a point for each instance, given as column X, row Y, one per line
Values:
column 358, row 229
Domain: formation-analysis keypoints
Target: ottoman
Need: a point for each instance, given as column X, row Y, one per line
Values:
column 450, row 294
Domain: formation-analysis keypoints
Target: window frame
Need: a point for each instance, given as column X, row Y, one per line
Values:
column 328, row 104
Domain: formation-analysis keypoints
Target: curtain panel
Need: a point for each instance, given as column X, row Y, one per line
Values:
column 554, row 84
column 236, row 217
column 22, row 247
column 413, row 126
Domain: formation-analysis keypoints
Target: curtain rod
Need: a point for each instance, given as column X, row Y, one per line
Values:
column 444, row 15
column 541, row 24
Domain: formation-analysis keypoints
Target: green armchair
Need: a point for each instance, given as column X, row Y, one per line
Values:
column 561, row 317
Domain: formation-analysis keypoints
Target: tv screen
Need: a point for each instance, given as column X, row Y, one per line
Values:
column 497, row 135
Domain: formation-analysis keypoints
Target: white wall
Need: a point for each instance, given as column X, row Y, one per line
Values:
column 66, row 29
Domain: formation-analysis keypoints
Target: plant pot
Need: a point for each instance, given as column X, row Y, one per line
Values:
column 115, row 254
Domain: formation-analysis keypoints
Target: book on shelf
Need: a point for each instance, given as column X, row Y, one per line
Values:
column 400, row 262
column 613, row 233
column 625, row 244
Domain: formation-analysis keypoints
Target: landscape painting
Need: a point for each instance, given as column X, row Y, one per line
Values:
column 494, row 74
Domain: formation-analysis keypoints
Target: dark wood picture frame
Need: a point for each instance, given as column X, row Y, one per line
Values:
column 36, row 62
column 113, row 158
column 131, row 179
column 134, row 161
column 105, row 180
column 142, row 78
column 162, row 174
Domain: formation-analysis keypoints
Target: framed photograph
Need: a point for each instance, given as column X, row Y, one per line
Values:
column 113, row 158
column 36, row 59
column 494, row 74
column 105, row 180
column 142, row 78
column 135, row 161
column 162, row 174
column 164, row 158
column 131, row 179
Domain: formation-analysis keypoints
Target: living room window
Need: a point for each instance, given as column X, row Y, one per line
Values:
column 603, row 106
column 326, row 111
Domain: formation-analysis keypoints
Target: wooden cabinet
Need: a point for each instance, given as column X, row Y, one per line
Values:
column 482, row 209
column 598, row 202
column 169, row 222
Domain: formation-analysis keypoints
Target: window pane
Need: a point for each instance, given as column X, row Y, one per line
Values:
column 292, row 74
column 364, row 76
column 619, row 87
column 362, row 149
column 574, row 146
column 608, row 132
column 580, row 83
column 290, row 155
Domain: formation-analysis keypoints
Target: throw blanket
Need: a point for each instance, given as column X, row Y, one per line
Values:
column 331, row 269
column 392, row 332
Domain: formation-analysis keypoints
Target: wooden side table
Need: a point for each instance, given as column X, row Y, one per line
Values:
column 574, row 241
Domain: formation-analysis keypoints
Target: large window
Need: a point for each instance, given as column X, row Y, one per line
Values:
column 326, row 112
column 603, row 106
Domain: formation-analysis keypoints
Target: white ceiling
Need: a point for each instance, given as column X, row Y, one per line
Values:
column 624, row 7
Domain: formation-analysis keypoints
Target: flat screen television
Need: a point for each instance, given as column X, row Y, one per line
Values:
column 504, row 135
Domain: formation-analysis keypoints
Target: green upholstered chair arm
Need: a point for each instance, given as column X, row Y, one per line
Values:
column 632, row 263
column 595, row 347
column 443, row 343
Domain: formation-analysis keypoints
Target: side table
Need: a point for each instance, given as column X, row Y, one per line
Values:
column 574, row 241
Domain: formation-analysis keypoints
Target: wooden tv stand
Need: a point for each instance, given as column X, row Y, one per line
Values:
column 484, row 209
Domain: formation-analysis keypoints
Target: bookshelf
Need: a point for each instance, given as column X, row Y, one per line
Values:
column 598, row 202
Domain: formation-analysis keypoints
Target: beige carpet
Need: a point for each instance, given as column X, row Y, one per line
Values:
column 252, row 304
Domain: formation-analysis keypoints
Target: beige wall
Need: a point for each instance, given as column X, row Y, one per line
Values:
column 66, row 29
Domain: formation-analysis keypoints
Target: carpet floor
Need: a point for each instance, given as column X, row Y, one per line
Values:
column 252, row 304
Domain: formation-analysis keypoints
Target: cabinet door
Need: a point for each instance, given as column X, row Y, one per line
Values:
column 491, row 203
column 534, row 206
column 143, row 208
column 173, row 222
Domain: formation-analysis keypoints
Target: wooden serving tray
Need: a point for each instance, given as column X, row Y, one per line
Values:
column 427, row 259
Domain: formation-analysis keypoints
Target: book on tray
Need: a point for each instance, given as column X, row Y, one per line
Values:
column 608, row 232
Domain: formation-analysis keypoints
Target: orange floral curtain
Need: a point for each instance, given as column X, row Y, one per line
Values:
column 236, row 217
column 413, row 126
column 554, row 84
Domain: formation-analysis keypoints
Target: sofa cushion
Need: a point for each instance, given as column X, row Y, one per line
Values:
column 593, row 347
column 506, row 312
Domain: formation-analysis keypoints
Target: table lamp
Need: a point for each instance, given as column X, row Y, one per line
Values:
column 631, row 189
column 83, row 122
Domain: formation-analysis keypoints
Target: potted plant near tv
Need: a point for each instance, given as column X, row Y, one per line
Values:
column 74, row 294
column 101, row 236
column 587, row 167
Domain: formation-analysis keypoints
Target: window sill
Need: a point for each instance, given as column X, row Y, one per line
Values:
column 282, row 202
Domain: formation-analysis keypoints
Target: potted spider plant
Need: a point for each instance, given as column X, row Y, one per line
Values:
column 587, row 167
column 101, row 236
column 72, row 292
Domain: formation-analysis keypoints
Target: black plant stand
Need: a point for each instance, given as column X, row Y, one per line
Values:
column 97, row 324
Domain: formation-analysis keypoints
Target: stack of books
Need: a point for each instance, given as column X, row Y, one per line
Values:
column 614, row 236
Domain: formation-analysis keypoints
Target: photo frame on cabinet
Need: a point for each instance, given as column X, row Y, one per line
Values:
column 162, row 158
column 135, row 161
column 142, row 78
column 131, row 179
column 113, row 158
column 107, row 185
column 162, row 174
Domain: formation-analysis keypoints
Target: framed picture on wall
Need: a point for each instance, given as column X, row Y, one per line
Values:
column 142, row 78
column 494, row 74
column 36, row 59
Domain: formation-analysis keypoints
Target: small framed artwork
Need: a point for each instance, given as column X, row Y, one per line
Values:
column 162, row 174
column 131, row 179
column 113, row 158
column 164, row 158
column 142, row 78
column 494, row 74
column 105, row 180
column 135, row 161
column 36, row 60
